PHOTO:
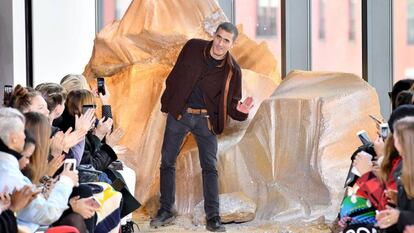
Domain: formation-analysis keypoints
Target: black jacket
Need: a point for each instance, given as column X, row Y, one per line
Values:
column 98, row 154
column 221, row 86
column 405, row 205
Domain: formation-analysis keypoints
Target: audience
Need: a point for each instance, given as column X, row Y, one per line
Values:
column 396, row 219
column 40, row 211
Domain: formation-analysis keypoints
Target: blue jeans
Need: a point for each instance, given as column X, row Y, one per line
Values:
column 175, row 131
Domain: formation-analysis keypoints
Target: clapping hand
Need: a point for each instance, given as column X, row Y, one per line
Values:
column 113, row 138
column 73, row 138
column 104, row 127
column 85, row 121
column 20, row 198
column 387, row 217
column 4, row 200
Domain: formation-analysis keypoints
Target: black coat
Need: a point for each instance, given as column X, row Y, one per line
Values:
column 99, row 154
column 405, row 205
column 8, row 222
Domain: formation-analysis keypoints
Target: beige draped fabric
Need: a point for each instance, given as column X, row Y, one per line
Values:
column 290, row 156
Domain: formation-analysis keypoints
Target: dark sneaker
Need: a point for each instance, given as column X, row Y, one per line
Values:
column 129, row 227
column 214, row 224
column 163, row 218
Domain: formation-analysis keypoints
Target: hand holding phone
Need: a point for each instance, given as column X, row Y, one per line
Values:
column 70, row 164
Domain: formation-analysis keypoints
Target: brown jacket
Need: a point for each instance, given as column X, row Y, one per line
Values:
column 221, row 86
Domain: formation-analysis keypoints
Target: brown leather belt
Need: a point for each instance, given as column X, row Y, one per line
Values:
column 196, row 111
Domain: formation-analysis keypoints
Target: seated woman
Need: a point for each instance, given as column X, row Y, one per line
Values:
column 39, row 211
column 81, row 213
column 397, row 219
column 376, row 187
column 99, row 154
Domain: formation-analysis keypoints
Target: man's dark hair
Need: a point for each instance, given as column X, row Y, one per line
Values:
column 229, row 27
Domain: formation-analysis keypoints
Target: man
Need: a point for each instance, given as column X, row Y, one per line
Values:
column 203, row 88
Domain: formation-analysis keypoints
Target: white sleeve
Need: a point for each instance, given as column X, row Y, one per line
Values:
column 46, row 212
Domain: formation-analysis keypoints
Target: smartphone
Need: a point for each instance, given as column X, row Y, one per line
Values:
column 37, row 188
column 384, row 130
column 86, row 107
column 101, row 85
column 8, row 89
column 70, row 163
column 363, row 136
column 94, row 202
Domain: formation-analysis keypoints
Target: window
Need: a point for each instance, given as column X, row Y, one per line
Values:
column 266, row 18
column 332, row 49
column 110, row 10
column 321, row 31
column 403, row 27
column 410, row 22
column 247, row 15
column 351, row 33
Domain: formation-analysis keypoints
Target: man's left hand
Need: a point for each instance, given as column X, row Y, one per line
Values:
column 245, row 106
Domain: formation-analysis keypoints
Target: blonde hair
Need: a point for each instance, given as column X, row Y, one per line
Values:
column 404, row 131
column 74, row 82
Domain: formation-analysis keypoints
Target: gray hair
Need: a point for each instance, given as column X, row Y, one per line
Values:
column 11, row 120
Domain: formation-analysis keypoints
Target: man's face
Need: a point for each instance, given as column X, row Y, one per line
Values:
column 222, row 42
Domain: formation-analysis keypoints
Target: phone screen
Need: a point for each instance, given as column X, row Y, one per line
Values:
column 70, row 163
column 94, row 202
column 384, row 130
column 101, row 85
column 363, row 136
column 86, row 107
column 8, row 89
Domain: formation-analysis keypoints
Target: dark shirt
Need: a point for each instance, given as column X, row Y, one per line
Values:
column 196, row 99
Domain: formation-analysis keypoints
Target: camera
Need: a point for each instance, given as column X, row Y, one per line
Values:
column 367, row 147
column 363, row 136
